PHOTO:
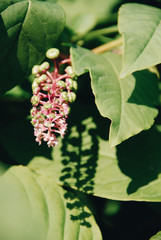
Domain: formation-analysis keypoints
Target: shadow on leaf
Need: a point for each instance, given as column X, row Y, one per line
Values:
column 79, row 157
column 139, row 159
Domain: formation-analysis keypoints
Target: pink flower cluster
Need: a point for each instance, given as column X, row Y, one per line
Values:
column 52, row 93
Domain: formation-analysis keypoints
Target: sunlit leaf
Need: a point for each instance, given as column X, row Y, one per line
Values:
column 156, row 237
column 85, row 161
column 83, row 15
column 34, row 207
column 128, row 102
column 141, row 29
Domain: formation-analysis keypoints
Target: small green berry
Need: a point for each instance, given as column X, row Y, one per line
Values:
column 47, row 105
column 33, row 111
column 41, row 79
column 35, row 69
column 35, row 100
column 33, row 121
column 71, row 96
column 69, row 70
column 34, row 85
column 44, row 66
column 75, row 85
column 47, row 87
column 52, row 53
column 36, row 90
column 64, row 95
column 69, row 82
column 51, row 115
column 61, row 84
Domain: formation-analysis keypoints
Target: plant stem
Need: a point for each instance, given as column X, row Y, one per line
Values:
column 107, row 46
column 104, row 31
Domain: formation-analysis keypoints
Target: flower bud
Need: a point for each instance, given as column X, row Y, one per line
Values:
column 47, row 87
column 33, row 111
column 47, row 105
column 69, row 83
column 71, row 96
column 52, row 53
column 42, row 78
column 36, row 90
column 44, row 66
column 61, row 84
column 35, row 69
column 34, row 85
column 64, row 96
column 69, row 70
column 35, row 100
column 75, row 85
column 33, row 121
column 52, row 115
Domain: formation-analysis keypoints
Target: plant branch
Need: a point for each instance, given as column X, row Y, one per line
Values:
column 108, row 46
column 104, row 31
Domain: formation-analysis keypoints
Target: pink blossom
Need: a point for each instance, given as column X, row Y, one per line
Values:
column 51, row 99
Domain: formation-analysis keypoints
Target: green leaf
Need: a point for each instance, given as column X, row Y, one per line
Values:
column 3, row 167
column 83, row 15
column 34, row 207
column 156, row 237
column 18, row 92
column 128, row 102
column 28, row 29
column 141, row 29
column 85, row 161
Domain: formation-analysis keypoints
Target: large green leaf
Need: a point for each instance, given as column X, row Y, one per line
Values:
column 83, row 15
column 85, row 161
column 156, row 237
column 128, row 102
column 141, row 29
column 34, row 207
column 27, row 29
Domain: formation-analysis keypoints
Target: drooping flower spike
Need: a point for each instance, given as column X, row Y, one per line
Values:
column 52, row 94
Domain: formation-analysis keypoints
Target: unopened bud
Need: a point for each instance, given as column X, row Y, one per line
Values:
column 71, row 96
column 34, row 85
column 64, row 96
column 75, row 85
column 51, row 115
column 41, row 79
column 47, row 87
column 52, row 53
column 35, row 69
column 47, row 105
column 61, row 84
column 35, row 100
column 69, row 70
column 44, row 66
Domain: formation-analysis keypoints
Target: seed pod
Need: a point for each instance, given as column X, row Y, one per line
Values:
column 52, row 53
